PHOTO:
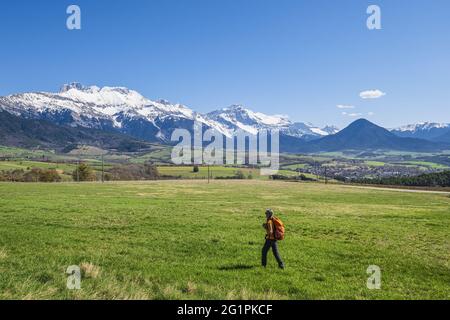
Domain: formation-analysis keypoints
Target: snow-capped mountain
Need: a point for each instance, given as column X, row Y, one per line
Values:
column 123, row 110
column 98, row 116
column 423, row 130
column 107, row 108
column 237, row 117
column 331, row 130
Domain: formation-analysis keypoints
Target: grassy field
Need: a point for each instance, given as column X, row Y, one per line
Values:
column 425, row 164
column 375, row 163
column 188, row 240
column 186, row 172
column 63, row 167
column 19, row 152
column 27, row 165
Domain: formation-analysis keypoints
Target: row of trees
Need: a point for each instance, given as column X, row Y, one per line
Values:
column 127, row 172
column 33, row 175
column 437, row 179
column 133, row 172
column 83, row 172
column 238, row 175
column 300, row 177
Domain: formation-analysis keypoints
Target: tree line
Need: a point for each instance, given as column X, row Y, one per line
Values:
column 82, row 173
column 436, row 179
column 33, row 175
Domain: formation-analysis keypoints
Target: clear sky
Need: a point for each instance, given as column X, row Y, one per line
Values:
column 302, row 58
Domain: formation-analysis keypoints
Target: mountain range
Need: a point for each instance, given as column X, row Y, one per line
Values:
column 115, row 117
column 365, row 135
column 425, row 130
column 123, row 110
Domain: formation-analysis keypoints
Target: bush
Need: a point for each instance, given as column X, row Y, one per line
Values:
column 239, row 175
column 34, row 175
column 41, row 175
column 279, row 177
column 133, row 172
column 83, row 173
column 12, row 175
column 196, row 169
column 49, row 176
column 302, row 177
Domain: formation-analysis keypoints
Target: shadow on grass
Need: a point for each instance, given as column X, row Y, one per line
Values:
column 236, row 267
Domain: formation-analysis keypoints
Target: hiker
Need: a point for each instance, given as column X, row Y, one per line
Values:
column 274, row 232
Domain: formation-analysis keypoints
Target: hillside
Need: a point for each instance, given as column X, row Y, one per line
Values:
column 30, row 133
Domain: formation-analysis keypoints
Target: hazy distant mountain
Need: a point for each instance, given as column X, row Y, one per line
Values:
column 444, row 138
column 424, row 130
column 364, row 135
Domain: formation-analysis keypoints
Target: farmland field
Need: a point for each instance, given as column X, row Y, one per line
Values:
column 186, row 172
column 26, row 165
column 190, row 239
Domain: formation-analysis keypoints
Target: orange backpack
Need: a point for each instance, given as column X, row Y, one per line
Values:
column 278, row 228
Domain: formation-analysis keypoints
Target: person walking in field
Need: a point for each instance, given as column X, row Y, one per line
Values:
column 274, row 232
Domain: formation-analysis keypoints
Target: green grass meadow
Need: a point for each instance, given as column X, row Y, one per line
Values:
column 187, row 172
column 194, row 240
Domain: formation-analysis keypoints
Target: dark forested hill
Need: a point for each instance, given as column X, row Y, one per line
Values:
column 29, row 133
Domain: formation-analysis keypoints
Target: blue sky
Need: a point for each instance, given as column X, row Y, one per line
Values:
column 296, row 57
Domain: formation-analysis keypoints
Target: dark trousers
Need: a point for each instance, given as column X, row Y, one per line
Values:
column 271, row 244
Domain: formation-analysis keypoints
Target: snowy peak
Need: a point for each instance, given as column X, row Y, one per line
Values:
column 116, row 108
column 73, row 85
column 421, row 126
column 93, row 100
column 330, row 130
column 308, row 130
column 111, row 96
column 239, row 113
column 237, row 117
column 126, row 110
column 92, row 89
column 424, row 130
